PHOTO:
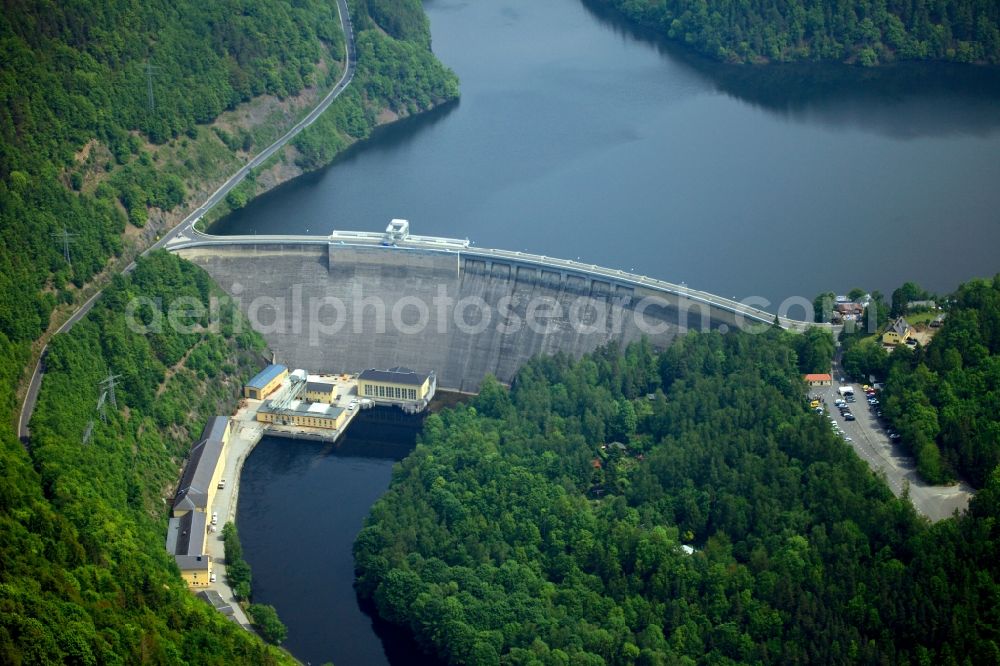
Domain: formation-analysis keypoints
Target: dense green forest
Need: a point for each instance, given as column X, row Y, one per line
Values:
column 867, row 32
column 84, row 576
column 519, row 532
column 944, row 399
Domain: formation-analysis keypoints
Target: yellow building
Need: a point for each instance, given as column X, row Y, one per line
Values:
column 206, row 464
column 196, row 570
column 396, row 386
column 319, row 392
column 186, row 542
column 898, row 333
column 188, row 528
column 302, row 413
column 266, row 381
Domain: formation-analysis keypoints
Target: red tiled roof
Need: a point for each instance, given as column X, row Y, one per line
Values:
column 818, row 378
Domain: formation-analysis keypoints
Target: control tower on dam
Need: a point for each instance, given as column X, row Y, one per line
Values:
column 356, row 300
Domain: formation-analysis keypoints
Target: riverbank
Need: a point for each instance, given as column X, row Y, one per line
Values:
column 245, row 433
column 777, row 32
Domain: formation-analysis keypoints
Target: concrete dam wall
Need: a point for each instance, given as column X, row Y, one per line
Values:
column 463, row 315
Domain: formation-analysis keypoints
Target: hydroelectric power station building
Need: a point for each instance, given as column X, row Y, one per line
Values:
column 399, row 386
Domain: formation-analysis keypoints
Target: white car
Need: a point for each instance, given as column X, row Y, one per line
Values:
column 215, row 518
column 211, row 577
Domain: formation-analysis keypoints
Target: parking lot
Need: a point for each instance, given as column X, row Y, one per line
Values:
column 869, row 439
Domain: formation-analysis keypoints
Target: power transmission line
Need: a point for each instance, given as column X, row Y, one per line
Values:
column 109, row 384
column 66, row 237
column 100, row 407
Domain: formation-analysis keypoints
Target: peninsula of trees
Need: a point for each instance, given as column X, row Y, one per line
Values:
column 867, row 32
column 636, row 507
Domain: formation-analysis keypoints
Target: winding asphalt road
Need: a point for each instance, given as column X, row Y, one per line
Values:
column 187, row 224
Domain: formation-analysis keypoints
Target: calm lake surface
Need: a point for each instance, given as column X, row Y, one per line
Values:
column 301, row 506
column 577, row 136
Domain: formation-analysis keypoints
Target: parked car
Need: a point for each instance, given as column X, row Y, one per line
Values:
column 222, row 484
column 215, row 518
column 211, row 577
column 848, row 416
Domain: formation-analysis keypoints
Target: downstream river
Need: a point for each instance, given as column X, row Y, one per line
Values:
column 577, row 136
column 301, row 506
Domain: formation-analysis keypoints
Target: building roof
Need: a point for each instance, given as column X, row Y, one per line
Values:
column 318, row 410
column 173, row 530
column 190, row 533
column 818, row 377
column 215, row 429
column 214, row 599
column 900, row 326
column 192, row 492
column 319, row 387
column 850, row 307
column 398, row 375
column 264, row 377
column 192, row 562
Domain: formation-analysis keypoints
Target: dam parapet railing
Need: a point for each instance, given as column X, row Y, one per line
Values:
column 192, row 238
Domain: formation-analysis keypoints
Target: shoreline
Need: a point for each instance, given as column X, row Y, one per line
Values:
column 286, row 170
column 245, row 433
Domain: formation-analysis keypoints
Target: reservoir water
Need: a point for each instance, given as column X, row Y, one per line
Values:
column 578, row 136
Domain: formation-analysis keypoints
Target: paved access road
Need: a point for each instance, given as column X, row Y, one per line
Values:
column 871, row 442
column 31, row 397
column 244, row 435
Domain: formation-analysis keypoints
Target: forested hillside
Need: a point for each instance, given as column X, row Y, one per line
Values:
column 102, row 124
column 396, row 72
column 103, row 118
column 77, row 72
column 521, row 531
column 84, row 577
column 867, row 32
